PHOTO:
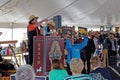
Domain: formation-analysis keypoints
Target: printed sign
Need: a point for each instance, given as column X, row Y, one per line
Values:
column 38, row 61
column 47, row 48
column 82, row 30
column 55, row 50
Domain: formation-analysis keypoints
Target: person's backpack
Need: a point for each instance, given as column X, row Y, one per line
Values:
column 79, row 77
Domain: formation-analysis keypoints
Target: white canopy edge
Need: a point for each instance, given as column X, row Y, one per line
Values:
column 13, row 25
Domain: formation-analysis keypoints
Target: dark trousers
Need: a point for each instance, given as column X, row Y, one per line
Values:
column 88, row 65
column 88, row 57
column 112, row 57
column 112, row 53
column 30, row 50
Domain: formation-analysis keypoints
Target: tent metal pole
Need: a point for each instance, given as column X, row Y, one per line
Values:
column 12, row 31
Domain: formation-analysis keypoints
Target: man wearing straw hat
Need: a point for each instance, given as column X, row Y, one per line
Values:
column 110, row 45
column 31, row 28
column 51, row 28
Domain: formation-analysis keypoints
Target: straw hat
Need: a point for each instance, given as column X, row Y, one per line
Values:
column 112, row 32
column 51, row 23
column 32, row 17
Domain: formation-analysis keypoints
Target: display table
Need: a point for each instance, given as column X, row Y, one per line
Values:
column 12, row 42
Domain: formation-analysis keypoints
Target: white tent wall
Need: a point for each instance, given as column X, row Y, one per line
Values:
column 74, row 12
column 84, row 13
column 13, row 34
column 12, row 25
column 91, row 14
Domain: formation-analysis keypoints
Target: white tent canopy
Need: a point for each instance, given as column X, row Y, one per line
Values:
column 15, row 13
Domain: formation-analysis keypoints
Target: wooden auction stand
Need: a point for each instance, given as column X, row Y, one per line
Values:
column 7, row 73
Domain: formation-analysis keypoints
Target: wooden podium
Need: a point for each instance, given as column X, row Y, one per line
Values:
column 45, row 49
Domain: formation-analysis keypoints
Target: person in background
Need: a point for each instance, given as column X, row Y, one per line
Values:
column 59, row 31
column 110, row 44
column 57, row 72
column 117, row 35
column 1, row 59
column 87, row 52
column 118, row 48
column 73, row 49
column 32, row 31
column 25, row 72
column 101, row 37
column 114, row 69
column 51, row 28
column 0, row 33
column 73, row 31
column 76, row 66
column 97, row 69
column 0, row 74
column 97, row 44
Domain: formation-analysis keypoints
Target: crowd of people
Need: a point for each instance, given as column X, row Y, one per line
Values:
column 93, row 56
column 26, row 72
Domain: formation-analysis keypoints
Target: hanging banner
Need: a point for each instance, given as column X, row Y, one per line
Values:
column 47, row 48
column 38, row 59
column 55, row 50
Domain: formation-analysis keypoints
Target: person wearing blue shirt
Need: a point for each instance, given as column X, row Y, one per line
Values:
column 73, row 50
column 45, row 32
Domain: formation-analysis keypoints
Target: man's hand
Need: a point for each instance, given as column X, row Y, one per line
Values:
column 45, row 20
